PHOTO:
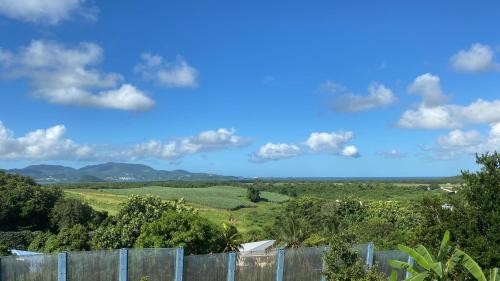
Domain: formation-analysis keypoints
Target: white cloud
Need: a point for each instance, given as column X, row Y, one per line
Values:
column 170, row 74
column 68, row 76
column 458, row 142
column 275, row 151
column 428, row 86
column 46, row 11
column 318, row 142
column 393, row 154
column 428, row 118
column 432, row 114
column 220, row 139
column 328, row 142
column 378, row 96
column 351, row 151
column 478, row 58
column 42, row 144
column 451, row 116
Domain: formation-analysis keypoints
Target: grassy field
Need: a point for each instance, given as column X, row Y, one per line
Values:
column 221, row 197
column 218, row 203
column 223, row 203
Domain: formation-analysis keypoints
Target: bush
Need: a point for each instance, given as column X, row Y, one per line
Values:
column 197, row 235
column 69, row 211
column 344, row 264
column 75, row 238
column 122, row 230
column 19, row 240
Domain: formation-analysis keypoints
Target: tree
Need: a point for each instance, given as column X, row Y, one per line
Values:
column 25, row 205
column 440, row 267
column 75, row 238
column 19, row 240
column 231, row 238
column 297, row 220
column 344, row 264
column 481, row 193
column 122, row 230
column 69, row 211
column 196, row 234
column 473, row 214
column 253, row 194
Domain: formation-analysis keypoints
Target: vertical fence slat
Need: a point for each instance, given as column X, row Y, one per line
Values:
column 231, row 267
column 410, row 262
column 123, row 269
column 280, row 264
column 369, row 255
column 179, row 264
column 62, row 267
column 323, row 265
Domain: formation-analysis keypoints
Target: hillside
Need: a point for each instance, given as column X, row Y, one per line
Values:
column 111, row 172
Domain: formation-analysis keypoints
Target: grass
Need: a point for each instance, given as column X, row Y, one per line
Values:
column 218, row 203
column 222, row 203
column 97, row 199
column 220, row 197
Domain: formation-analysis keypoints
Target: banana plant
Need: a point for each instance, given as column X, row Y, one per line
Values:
column 437, row 268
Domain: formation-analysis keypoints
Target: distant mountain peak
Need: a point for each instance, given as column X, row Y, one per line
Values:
column 111, row 172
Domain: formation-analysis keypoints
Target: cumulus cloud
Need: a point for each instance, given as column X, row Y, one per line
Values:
column 458, row 142
column 275, row 151
column 478, row 58
column 351, row 151
column 220, row 139
column 328, row 142
column 46, row 11
column 428, row 87
column 68, row 76
column 318, row 142
column 170, row 74
column 378, row 96
column 42, row 144
column 433, row 114
column 451, row 116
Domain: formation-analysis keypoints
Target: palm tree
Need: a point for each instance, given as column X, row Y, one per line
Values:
column 438, row 268
column 231, row 238
column 292, row 232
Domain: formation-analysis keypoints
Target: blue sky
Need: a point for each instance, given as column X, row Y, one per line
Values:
column 256, row 88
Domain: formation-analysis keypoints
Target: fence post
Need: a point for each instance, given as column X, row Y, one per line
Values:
column 323, row 265
column 410, row 262
column 62, row 267
column 280, row 265
column 369, row 255
column 179, row 263
column 231, row 267
column 123, row 270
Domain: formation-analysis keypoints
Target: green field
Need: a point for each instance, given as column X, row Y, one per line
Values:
column 222, row 203
column 218, row 203
column 222, row 197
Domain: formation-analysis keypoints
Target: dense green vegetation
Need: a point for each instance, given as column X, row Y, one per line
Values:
column 44, row 218
column 361, row 190
column 440, row 267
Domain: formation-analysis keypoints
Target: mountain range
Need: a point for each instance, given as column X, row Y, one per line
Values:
column 111, row 172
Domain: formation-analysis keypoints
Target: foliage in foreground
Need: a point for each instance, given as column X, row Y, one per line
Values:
column 197, row 235
column 442, row 267
column 473, row 214
column 344, row 264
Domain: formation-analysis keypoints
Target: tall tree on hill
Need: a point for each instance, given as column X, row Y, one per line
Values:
column 253, row 194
